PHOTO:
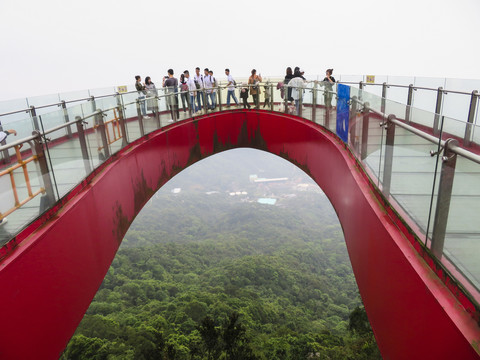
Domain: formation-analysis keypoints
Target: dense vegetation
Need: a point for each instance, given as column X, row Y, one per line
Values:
column 222, row 277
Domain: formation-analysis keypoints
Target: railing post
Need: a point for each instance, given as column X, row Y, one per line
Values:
column 353, row 109
column 384, row 98
column 438, row 110
column 48, row 199
column 449, row 160
column 101, row 126
column 94, row 104
column 471, row 118
column 365, row 125
column 205, row 103
column 190, row 111
column 314, row 101
column 272, row 108
column 409, row 103
column 140, row 118
column 387, row 166
column 66, row 118
column 360, row 86
column 300, row 101
column 121, row 119
column 219, row 91
column 353, row 123
column 33, row 114
column 285, row 97
column 83, row 144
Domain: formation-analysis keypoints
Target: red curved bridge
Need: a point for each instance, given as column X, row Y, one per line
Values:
column 49, row 278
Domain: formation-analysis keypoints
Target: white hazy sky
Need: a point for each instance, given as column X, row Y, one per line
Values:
column 50, row 46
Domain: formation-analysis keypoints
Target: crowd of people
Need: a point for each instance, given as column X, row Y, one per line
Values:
column 192, row 88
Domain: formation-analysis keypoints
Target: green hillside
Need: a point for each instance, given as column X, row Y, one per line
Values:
column 205, row 274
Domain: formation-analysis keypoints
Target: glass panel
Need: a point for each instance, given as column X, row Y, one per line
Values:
column 28, row 185
column 413, row 172
column 395, row 108
column 372, row 144
column 425, row 100
column 65, row 158
column 476, row 130
column 423, row 117
column 51, row 100
column 462, row 239
column 467, row 85
column 74, row 96
column 456, row 106
column 374, row 89
column 350, row 78
column 10, row 106
column 52, row 120
column 102, row 91
column 23, row 126
column 454, row 128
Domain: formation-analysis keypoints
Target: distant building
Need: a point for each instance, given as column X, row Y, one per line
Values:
column 265, row 180
column 267, row 201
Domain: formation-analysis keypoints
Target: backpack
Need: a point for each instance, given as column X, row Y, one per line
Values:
column 197, row 84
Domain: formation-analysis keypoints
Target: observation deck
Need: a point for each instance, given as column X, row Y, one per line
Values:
column 421, row 167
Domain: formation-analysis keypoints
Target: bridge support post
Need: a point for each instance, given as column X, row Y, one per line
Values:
column 409, row 103
column 438, row 110
column 365, row 125
column 449, row 161
column 471, row 118
column 140, row 118
column 48, row 198
column 361, row 85
column 101, row 126
column 388, row 160
column 66, row 118
column 384, row 97
column 285, row 94
column 83, row 144
column 121, row 119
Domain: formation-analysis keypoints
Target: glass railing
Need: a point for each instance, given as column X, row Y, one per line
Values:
column 399, row 145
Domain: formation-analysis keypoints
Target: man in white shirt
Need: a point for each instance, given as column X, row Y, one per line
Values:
column 198, row 79
column 230, row 87
column 208, row 86
column 193, row 90
column 297, row 84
